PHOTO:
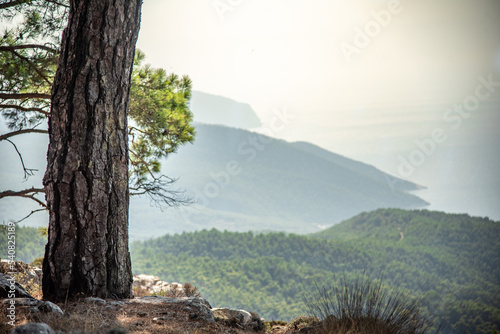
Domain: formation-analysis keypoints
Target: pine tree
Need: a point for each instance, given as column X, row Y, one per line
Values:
column 87, row 178
column 29, row 52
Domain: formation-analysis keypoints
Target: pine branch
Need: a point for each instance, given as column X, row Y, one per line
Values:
column 58, row 3
column 22, row 96
column 33, row 66
column 20, row 132
column 144, row 162
column 12, row 3
column 27, row 171
column 20, row 108
column 159, row 193
column 29, row 215
column 26, row 193
column 12, row 48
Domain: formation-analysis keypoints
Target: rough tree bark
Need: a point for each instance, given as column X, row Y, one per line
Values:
column 86, row 180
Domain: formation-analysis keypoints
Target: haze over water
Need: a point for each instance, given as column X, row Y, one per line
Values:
column 411, row 87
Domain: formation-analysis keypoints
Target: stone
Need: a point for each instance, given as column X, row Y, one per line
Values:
column 94, row 300
column 195, row 305
column 6, row 283
column 145, row 281
column 49, row 307
column 33, row 328
column 38, row 271
column 241, row 317
column 36, row 305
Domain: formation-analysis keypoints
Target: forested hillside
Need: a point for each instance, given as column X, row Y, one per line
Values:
column 450, row 260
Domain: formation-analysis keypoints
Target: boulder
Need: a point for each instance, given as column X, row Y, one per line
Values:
column 33, row 328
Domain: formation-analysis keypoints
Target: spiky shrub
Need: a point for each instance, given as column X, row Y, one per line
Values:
column 363, row 305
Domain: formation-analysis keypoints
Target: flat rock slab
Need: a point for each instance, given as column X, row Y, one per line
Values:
column 195, row 305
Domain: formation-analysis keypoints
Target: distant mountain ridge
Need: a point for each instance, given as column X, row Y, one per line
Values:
column 241, row 180
column 246, row 181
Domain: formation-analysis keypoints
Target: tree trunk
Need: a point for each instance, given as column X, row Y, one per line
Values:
column 86, row 180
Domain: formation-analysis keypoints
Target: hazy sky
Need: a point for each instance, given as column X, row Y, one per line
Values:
column 332, row 64
column 272, row 53
column 363, row 78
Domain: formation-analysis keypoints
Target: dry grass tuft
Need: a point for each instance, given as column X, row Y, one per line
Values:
column 362, row 306
column 140, row 292
column 88, row 318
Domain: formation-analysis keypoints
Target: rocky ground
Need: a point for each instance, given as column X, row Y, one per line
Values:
column 161, row 308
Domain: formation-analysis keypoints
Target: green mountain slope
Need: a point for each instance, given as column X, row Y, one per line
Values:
column 450, row 260
column 245, row 181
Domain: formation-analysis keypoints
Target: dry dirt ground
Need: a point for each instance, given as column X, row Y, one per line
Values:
column 127, row 317
column 81, row 317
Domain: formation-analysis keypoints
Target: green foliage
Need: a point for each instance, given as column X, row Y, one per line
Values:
column 43, row 231
column 450, row 260
column 28, row 59
column 40, row 19
column 160, row 121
